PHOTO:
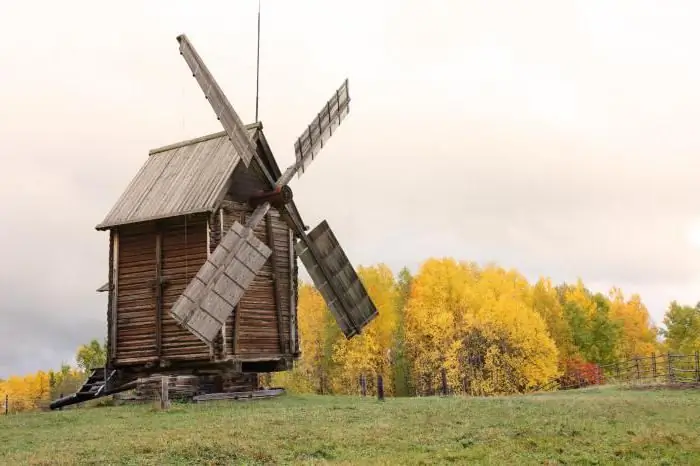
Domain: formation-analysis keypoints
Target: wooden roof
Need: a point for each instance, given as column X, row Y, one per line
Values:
column 179, row 179
column 185, row 178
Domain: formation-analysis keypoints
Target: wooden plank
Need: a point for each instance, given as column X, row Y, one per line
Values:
column 183, row 254
column 317, row 133
column 236, row 328
column 235, row 336
column 292, row 295
column 275, row 284
column 114, row 293
column 215, row 96
column 159, row 294
column 207, row 302
column 224, row 346
column 239, row 396
column 336, row 280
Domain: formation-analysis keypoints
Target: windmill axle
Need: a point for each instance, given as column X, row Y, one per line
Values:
column 277, row 197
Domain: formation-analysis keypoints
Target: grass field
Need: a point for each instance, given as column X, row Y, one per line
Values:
column 598, row 426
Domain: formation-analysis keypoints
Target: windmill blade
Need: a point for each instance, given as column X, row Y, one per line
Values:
column 220, row 283
column 336, row 280
column 223, row 109
column 321, row 128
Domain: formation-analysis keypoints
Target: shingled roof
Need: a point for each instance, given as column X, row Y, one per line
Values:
column 179, row 179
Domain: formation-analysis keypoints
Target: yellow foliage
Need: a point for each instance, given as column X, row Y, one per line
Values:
column 370, row 352
column 25, row 393
column 546, row 303
column 479, row 324
column 638, row 335
column 577, row 295
column 312, row 315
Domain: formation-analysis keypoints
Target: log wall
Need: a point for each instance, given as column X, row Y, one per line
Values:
column 154, row 262
column 260, row 325
column 170, row 253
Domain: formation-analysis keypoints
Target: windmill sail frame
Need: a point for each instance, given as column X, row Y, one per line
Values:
column 336, row 280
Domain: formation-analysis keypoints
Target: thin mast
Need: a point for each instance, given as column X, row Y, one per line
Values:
column 257, row 71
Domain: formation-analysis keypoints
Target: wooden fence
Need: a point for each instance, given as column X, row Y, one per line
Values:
column 656, row 368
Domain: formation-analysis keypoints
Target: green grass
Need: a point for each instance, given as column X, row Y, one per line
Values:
column 598, row 426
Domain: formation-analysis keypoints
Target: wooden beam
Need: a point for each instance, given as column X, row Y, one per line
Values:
column 114, row 293
column 108, row 287
column 275, row 283
column 224, row 346
column 236, row 325
column 237, row 310
column 278, row 197
column 292, row 295
column 159, row 293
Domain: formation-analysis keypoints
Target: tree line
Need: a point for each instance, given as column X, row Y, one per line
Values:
column 487, row 328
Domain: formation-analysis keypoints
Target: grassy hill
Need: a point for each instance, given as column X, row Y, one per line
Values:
column 597, row 426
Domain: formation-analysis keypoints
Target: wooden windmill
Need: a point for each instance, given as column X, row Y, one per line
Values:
column 203, row 254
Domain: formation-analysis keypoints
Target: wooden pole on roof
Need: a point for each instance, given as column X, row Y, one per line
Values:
column 257, row 69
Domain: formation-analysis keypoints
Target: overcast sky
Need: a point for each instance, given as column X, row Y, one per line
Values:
column 557, row 137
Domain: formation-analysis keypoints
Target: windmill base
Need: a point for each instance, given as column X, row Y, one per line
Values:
column 187, row 388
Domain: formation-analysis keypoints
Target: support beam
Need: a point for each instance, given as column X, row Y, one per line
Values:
column 236, row 325
column 159, row 293
column 276, row 284
column 114, row 294
column 292, row 295
column 224, row 346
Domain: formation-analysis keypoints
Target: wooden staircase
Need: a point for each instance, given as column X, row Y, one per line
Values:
column 94, row 387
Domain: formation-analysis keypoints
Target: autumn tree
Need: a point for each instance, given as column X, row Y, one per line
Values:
column 637, row 336
column 370, row 353
column 480, row 326
column 92, row 355
column 66, row 380
column 682, row 332
column 595, row 333
column 545, row 301
column 318, row 333
column 26, row 393
column 402, row 375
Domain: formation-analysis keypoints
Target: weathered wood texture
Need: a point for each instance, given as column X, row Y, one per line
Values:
column 135, row 315
column 184, row 387
column 218, row 286
column 182, row 252
column 111, row 299
column 309, row 144
column 336, row 280
column 258, row 330
column 265, row 309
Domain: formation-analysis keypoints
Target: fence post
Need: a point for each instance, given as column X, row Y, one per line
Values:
column 636, row 360
column 443, row 374
column 670, row 367
column 597, row 374
column 164, row 399
column 697, row 366
column 380, row 387
column 653, row 366
column 7, row 403
column 363, row 385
